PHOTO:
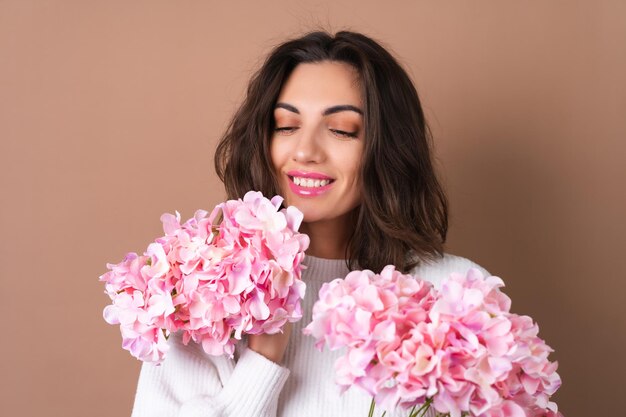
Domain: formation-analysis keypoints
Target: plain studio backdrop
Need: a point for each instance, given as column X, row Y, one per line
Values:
column 110, row 112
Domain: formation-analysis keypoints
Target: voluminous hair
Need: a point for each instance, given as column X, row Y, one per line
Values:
column 403, row 216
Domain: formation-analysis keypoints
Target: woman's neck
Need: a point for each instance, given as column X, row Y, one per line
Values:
column 328, row 239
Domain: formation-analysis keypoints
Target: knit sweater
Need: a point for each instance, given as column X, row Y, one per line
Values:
column 190, row 383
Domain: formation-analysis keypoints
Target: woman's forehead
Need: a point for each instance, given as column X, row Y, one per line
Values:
column 322, row 84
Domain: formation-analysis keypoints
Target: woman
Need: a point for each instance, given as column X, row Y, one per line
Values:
column 335, row 126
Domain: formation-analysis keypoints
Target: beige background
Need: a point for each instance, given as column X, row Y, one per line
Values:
column 109, row 113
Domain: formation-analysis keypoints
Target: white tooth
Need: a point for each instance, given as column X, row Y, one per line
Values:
column 309, row 183
column 296, row 180
column 323, row 183
column 317, row 183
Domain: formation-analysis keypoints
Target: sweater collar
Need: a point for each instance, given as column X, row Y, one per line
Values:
column 323, row 270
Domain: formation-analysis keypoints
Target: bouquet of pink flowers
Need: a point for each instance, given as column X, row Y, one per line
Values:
column 212, row 278
column 458, row 350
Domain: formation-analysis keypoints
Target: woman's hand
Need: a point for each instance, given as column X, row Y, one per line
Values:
column 272, row 346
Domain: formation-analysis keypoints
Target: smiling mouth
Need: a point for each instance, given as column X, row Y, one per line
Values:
column 310, row 182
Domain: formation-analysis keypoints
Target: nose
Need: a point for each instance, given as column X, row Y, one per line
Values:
column 308, row 148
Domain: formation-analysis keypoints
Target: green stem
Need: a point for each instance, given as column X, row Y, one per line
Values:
column 426, row 406
column 422, row 410
column 372, row 405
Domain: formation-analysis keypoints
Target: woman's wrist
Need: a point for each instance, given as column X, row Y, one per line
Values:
column 272, row 346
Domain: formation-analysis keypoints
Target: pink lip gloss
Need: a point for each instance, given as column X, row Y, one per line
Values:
column 308, row 191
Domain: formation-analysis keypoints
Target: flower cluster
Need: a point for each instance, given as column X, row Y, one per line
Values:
column 457, row 349
column 213, row 278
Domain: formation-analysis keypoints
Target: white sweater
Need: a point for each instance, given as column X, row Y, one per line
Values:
column 191, row 383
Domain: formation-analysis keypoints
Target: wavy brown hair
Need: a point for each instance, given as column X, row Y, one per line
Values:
column 403, row 217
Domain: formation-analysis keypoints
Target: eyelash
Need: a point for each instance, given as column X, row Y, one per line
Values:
column 341, row 133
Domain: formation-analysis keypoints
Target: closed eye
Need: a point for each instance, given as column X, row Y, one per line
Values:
column 285, row 129
column 344, row 134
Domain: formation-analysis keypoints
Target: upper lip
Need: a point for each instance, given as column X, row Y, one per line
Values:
column 305, row 174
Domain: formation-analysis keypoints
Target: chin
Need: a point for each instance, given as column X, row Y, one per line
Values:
column 311, row 216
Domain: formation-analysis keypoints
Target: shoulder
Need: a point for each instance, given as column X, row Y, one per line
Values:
column 435, row 271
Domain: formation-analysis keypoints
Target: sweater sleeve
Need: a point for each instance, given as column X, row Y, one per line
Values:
column 191, row 383
column 436, row 271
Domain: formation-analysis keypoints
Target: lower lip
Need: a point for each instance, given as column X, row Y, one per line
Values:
column 308, row 191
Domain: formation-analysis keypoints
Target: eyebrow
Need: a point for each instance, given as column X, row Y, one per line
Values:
column 330, row 110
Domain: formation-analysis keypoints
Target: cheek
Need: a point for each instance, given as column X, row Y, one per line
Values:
column 278, row 158
column 275, row 154
column 352, row 163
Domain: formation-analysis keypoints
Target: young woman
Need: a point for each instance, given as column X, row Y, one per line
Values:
column 335, row 126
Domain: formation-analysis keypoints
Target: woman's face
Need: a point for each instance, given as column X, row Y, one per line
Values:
column 317, row 144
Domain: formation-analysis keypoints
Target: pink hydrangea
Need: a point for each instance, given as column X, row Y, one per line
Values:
column 459, row 349
column 213, row 278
